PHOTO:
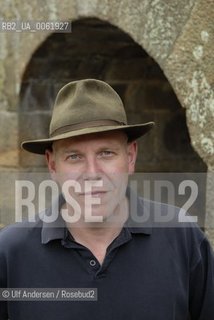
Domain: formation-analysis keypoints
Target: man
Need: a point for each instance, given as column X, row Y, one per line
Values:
column 140, row 271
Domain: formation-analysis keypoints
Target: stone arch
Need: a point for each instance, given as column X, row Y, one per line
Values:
column 177, row 36
column 163, row 31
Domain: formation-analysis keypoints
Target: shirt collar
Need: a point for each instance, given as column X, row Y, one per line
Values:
column 138, row 209
column 57, row 229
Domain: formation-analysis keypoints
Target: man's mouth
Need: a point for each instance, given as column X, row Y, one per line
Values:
column 94, row 193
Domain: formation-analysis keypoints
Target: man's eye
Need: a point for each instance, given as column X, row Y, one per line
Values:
column 106, row 153
column 74, row 157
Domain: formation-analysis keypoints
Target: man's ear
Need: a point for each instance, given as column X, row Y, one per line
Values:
column 50, row 158
column 132, row 156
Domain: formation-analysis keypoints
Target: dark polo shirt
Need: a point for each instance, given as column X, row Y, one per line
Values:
column 150, row 272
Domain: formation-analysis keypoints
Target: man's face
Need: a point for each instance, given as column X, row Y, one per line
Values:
column 99, row 164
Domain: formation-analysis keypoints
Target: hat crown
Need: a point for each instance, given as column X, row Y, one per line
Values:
column 84, row 107
column 86, row 101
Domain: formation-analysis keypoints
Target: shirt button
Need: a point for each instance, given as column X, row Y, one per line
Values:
column 92, row 263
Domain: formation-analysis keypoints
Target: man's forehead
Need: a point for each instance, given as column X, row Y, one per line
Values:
column 114, row 137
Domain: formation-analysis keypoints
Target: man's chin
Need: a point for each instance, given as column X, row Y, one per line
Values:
column 98, row 219
column 96, row 216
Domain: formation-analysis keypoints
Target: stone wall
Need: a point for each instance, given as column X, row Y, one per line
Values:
column 177, row 36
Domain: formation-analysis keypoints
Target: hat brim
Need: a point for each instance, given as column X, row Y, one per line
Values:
column 41, row 145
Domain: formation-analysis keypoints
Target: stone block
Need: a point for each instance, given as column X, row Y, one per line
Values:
column 9, row 151
column 7, row 199
column 10, row 85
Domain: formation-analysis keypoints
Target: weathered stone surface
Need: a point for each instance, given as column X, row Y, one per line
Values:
column 188, row 68
column 154, row 24
column 160, row 22
column 3, row 57
column 21, row 46
column 209, row 221
column 9, row 152
column 7, row 199
column 210, row 235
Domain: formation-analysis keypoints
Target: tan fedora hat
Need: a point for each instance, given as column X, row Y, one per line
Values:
column 84, row 107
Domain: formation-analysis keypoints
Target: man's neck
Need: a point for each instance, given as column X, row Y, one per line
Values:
column 98, row 236
column 96, row 240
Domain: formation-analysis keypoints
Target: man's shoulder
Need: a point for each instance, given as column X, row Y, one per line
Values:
column 175, row 228
column 19, row 233
column 172, row 221
column 167, row 215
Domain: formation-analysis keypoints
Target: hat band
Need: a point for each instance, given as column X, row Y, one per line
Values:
column 89, row 124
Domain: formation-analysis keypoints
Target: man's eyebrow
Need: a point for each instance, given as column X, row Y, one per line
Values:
column 101, row 148
column 115, row 148
column 70, row 150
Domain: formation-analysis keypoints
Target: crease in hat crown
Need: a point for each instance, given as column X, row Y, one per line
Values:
column 83, row 107
column 86, row 101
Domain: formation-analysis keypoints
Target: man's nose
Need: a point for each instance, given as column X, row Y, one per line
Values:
column 92, row 170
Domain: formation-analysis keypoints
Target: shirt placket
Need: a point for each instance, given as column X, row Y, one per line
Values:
column 90, row 261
